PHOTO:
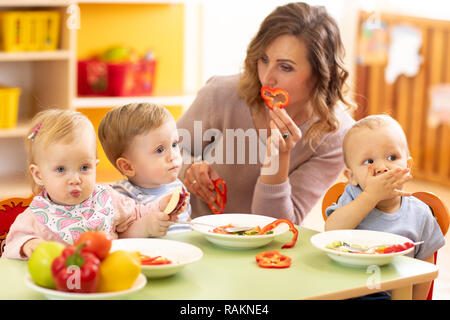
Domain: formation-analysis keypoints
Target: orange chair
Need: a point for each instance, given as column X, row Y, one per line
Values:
column 9, row 210
column 437, row 206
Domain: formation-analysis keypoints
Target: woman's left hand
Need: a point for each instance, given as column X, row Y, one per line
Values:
column 283, row 129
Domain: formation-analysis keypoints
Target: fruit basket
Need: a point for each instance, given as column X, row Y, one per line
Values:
column 96, row 77
column 9, row 106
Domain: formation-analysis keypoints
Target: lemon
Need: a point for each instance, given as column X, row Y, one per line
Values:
column 118, row 271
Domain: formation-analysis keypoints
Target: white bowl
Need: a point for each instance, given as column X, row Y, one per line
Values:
column 180, row 253
column 237, row 219
column 52, row 294
column 363, row 238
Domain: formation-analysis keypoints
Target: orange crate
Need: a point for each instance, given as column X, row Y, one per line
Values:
column 9, row 107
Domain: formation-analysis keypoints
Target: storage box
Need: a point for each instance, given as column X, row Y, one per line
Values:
column 100, row 78
column 9, row 107
column 29, row 30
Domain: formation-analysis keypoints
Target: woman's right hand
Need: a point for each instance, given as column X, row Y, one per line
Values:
column 198, row 180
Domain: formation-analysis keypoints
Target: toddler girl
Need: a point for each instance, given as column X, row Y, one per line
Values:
column 62, row 159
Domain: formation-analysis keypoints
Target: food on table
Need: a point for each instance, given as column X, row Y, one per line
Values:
column 273, row 259
column 76, row 270
column 274, row 97
column 176, row 200
column 153, row 261
column 40, row 263
column 119, row 270
column 96, row 242
column 254, row 231
column 220, row 188
column 342, row 246
column 274, row 224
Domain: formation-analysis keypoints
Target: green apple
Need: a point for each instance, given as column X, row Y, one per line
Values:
column 40, row 263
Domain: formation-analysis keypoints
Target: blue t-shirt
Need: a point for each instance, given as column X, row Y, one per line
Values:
column 413, row 220
column 147, row 195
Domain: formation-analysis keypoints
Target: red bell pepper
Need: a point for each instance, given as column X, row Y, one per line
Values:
column 220, row 188
column 76, row 270
column 275, row 97
column 274, row 224
column 396, row 248
column 272, row 259
column 152, row 261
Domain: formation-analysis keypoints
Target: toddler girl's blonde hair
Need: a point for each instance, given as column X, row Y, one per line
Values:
column 120, row 125
column 49, row 127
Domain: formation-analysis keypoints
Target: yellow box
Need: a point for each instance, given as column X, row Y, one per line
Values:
column 29, row 30
column 9, row 107
column 48, row 30
column 14, row 31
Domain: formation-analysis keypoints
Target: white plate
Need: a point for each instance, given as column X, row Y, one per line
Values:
column 51, row 294
column 180, row 253
column 363, row 238
column 237, row 219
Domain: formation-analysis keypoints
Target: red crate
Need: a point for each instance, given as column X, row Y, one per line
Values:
column 100, row 78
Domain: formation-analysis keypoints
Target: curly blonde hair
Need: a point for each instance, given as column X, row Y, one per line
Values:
column 321, row 36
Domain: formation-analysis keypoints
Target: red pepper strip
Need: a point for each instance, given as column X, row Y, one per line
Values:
column 158, row 260
column 220, row 229
column 272, row 259
column 218, row 205
column 270, row 94
column 76, row 270
column 274, row 224
column 397, row 248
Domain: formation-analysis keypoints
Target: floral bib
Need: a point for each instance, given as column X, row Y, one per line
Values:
column 69, row 222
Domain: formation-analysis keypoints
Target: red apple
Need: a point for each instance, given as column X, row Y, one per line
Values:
column 176, row 200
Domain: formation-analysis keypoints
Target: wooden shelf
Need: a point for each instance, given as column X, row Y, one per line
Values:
column 16, row 185
column 35, row 55
column 132, row 1
column 96, row 102
column 36, row 3
column 17, row 132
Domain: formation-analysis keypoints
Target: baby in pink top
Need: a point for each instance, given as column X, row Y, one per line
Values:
column 62, row 159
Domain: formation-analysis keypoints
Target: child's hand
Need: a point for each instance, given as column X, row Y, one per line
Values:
column 157, row 223
column 387, row 185
column 30, row 246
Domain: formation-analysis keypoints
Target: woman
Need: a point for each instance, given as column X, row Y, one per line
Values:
column 297, row 48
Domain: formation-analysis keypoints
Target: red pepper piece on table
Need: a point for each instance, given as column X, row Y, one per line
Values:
column 76, row 270
column 273, row 259
column 292, row 228
column 274, row 97
column 218, row 205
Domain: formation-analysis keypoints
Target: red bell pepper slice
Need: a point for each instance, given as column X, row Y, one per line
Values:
column 275, row 97
column 396, row 248
column 292, row 228
column 76, row 270
column 152, row 261
column 273, row 259
column 218, row 205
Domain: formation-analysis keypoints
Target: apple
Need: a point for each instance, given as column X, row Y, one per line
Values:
column 40, row 263
column 176, row 200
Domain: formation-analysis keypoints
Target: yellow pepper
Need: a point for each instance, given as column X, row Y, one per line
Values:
column 118, row 271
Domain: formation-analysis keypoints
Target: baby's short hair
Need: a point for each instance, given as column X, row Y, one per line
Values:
column 120, row 125
column 372, row 122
